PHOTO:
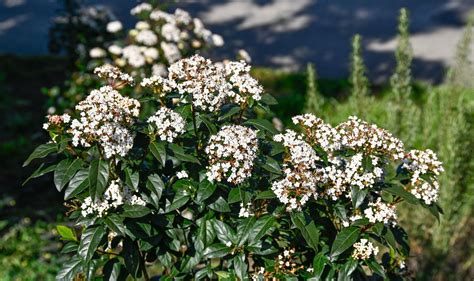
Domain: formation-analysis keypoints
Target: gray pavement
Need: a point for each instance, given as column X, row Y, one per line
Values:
column 286, row 33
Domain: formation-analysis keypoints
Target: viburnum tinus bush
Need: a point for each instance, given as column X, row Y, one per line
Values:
column 201, row 185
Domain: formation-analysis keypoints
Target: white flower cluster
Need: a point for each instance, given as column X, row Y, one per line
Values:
column 167, row 124
column 286, row 262
column 171, row 35
column 231, row 154
column 301, row 171
column 55, row 121
column 238, row 73
column 368, row 138
column 318, row 132
column 245, row 211
column 114, row 26
column 108, row 71
column 343, row 174
column 379, row 211
column 160, row 85
column 423, row 163
column 202, row 79
column 105, row 118
column 114, row 196
column 97, row 53
column 182, row 174
column 364, row 249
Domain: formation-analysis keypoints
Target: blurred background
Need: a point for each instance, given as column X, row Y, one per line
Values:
column 416, row 65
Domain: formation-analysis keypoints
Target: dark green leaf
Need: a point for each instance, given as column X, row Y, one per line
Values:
column 218, row 250
column 358, row 196
column 240, row 266
column 244, row 230
column 135, row 211
column 159, row 152
column 401, row 192
column 375, row 267
column 155, row 185
column 179, row 200
column 262, row 124
column 268, row 99
column 231, row 112
column 132, row 179
column 115, row 223
column 308, row 229
column 40, row 172
column 112, row 270
column 65, row 170
column 267, row 194
column 234, row 196
column 131, row 256
column 224, row 232
column 77, row 184
column 344, row 240
column 205, row 190
column 69, row 247
column 210, row 126
column 181, row 155
column 41, row 152
column 220, row 205
column 70, row 269
column 272, row 166
column 90, row 240
column 261, row 227
column 319, row 263
column 98, row 178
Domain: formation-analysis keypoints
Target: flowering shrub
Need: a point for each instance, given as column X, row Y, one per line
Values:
column 193, row 178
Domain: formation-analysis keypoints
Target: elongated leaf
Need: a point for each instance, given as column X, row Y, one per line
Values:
column 77, row 184
column 261, row 227
column 205, row 190
column 267, row 194
column 131, row 257
column 210, row 126
column 159, row 152
column 70, row 269
column 65, row 170
column 224, row 232
column 319, row 263
column 135, row 211
column 220, row 205
column 344, row 240
column 90, row 240
column 132, row 179
column 375, row 267
column 240, row 266
column 272, row 166
column 308, row 229
column 112, row 270
column 179, row 200
column 41, row 152
column 244, row 230
column 155, row 185
column 40, row 172
column 98, row 177
column 218, row 250
column 231, row 112
column 358, row 196
column 181, row 155
column 66, row 233
column 115, row 223
column 401, row 192
column 262, row 124
column 268, row 99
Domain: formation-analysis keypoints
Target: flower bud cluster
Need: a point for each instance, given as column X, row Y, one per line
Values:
column 105, row 117
column 424, row 168
column 379, row 211
column 56, row 121
column 286, row 263
column 246, row 87
column 167, row 124
column 301, row 172
column 208, row 84
column 364, row 249
column 231, row 153
column 361, row 136
column 114, row 196
column 108, row 71
column 318, row 132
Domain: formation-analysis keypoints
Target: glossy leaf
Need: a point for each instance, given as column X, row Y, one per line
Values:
column 66, row 233
column 65, row 170
column 218, row 250
column 40, row 172
column 90, row 240
column 41, row 152
column 77, row 184
column 98, row 178
column 159, row 151
column 344, row 240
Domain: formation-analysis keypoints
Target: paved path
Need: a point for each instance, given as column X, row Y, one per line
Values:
column 286, row 33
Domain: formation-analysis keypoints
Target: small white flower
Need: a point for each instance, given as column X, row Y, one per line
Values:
column 182, row 174
column 114, row 26
column 97, row 52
